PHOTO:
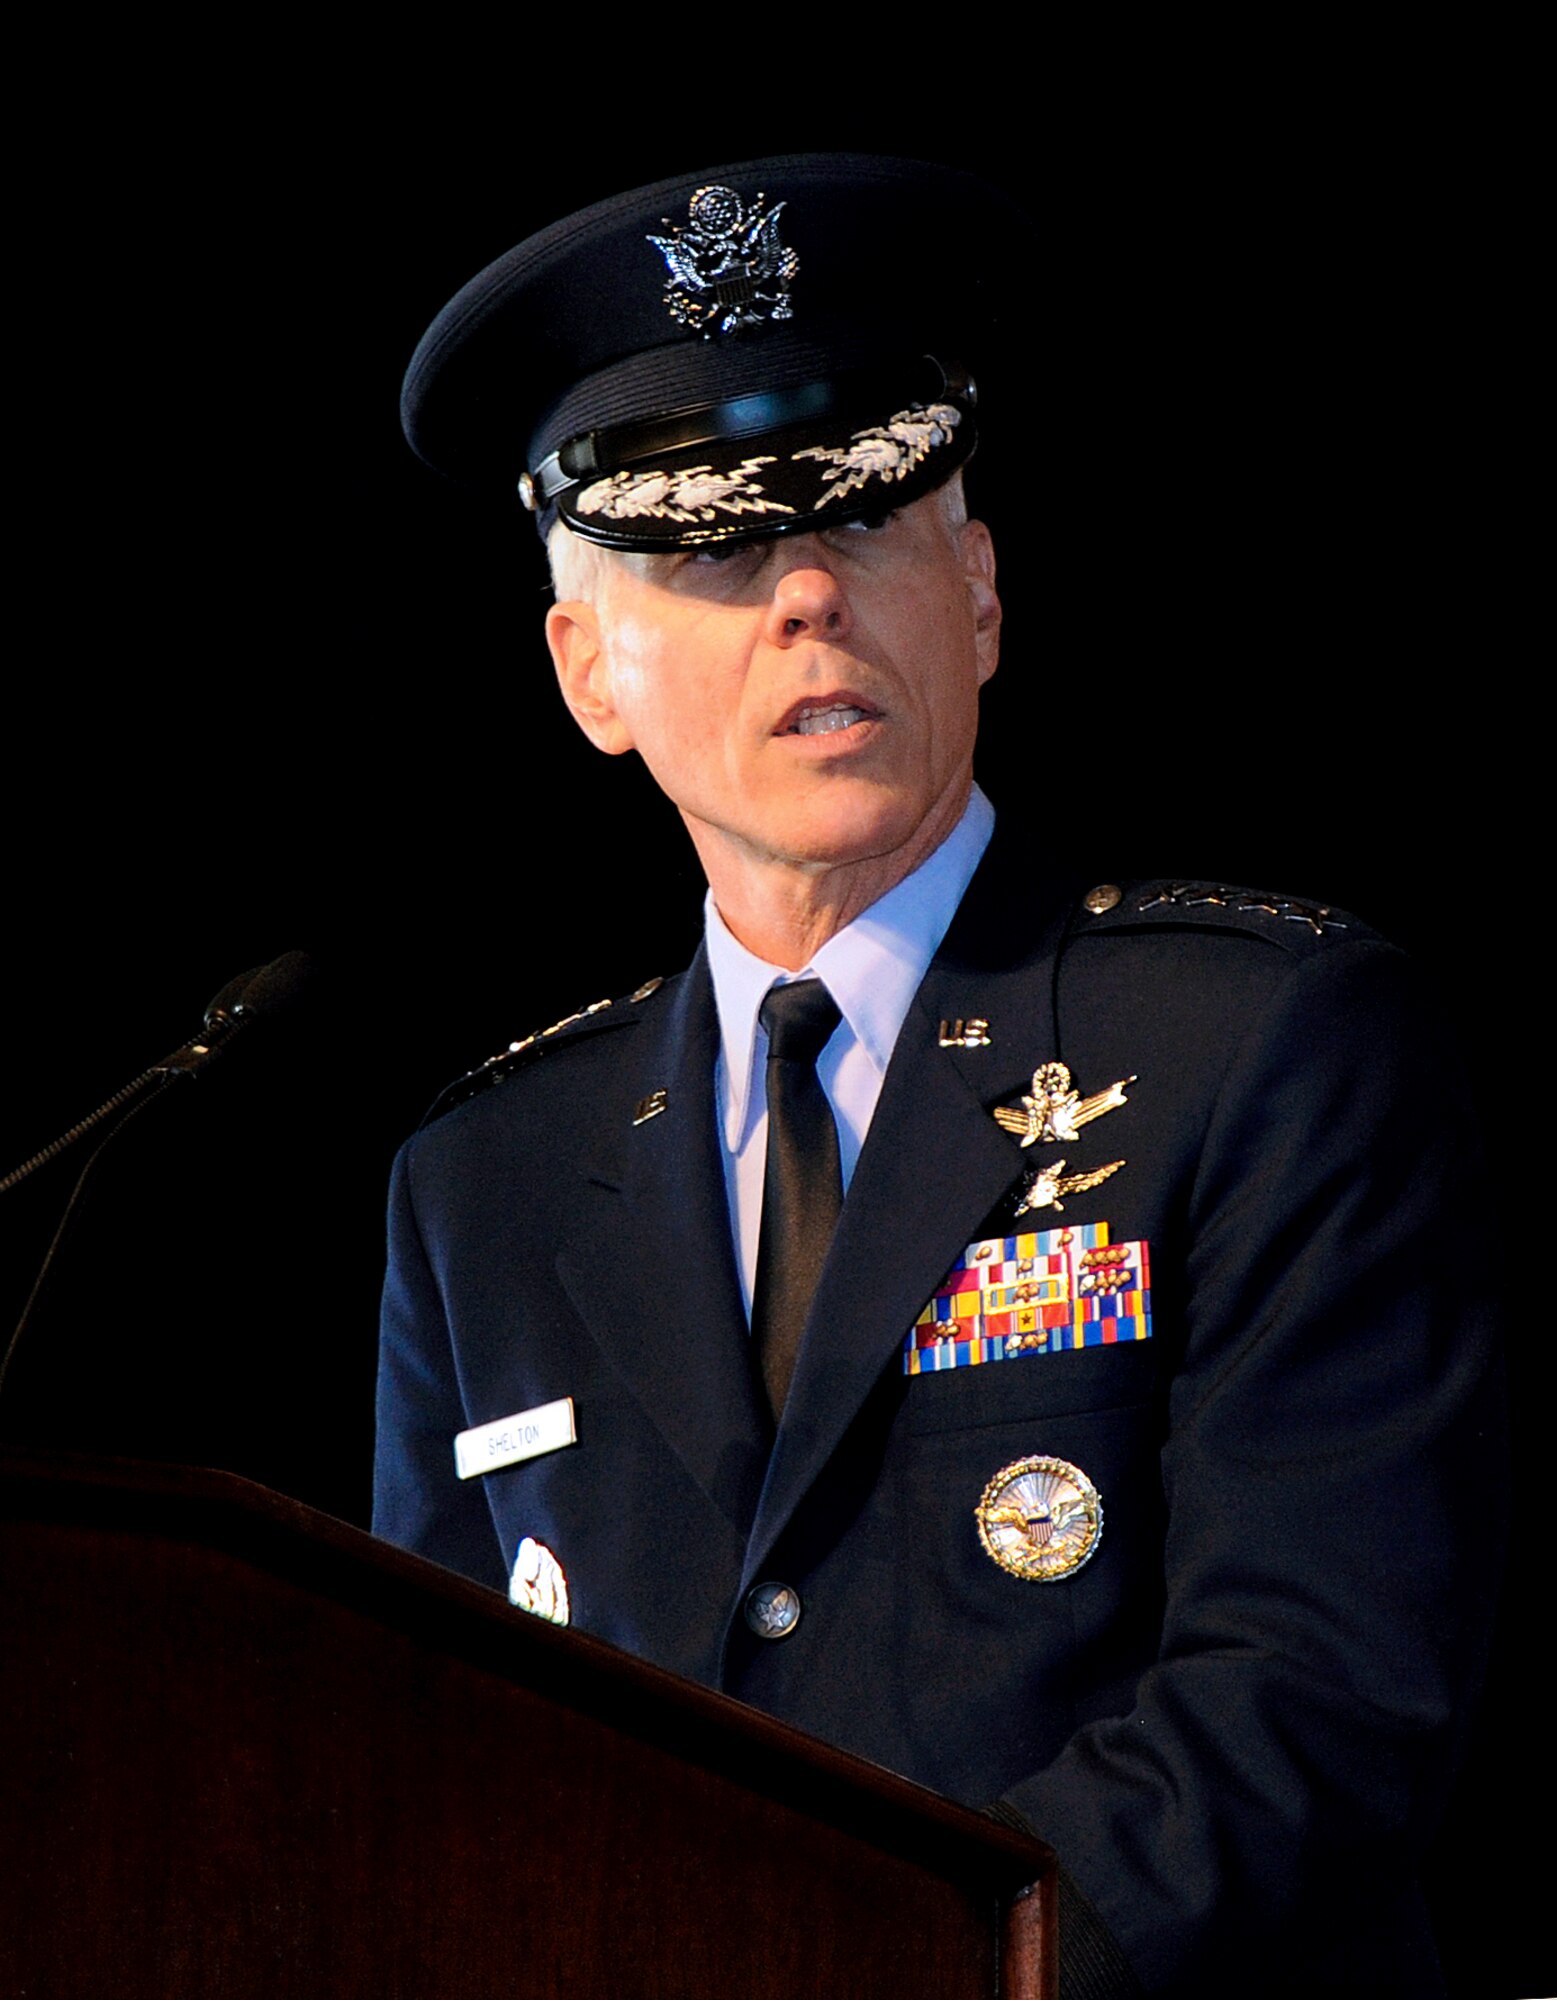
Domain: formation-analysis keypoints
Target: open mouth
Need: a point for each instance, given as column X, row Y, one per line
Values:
column 825, row 718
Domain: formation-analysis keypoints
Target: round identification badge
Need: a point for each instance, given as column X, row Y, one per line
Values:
column 1040, row 1518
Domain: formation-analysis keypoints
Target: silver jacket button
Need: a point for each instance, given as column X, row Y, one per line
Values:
column 772, row 1610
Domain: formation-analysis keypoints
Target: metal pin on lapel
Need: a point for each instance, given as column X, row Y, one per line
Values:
column 969, row 1034
column 650, row 1107
column 1052, row 1110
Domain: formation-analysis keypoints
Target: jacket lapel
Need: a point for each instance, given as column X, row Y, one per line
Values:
column 650, row 1266
column 934, row 1165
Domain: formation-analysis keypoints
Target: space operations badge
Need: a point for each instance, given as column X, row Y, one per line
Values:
column 1045, row 1291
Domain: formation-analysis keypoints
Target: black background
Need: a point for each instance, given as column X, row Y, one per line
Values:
column 280, row 686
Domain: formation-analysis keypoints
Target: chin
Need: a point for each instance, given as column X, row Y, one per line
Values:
column 861, row 830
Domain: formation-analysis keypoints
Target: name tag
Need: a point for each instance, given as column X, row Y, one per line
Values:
column 529, row 1434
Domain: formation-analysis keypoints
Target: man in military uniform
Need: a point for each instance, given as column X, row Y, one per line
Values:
column 1020, row 1328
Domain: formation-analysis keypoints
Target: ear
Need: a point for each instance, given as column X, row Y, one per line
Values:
column 978, row 568
column 584, row 675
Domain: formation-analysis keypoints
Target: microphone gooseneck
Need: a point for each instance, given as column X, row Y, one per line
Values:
column 262, row 990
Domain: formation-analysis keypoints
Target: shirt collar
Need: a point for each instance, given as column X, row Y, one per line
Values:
column 873, row 967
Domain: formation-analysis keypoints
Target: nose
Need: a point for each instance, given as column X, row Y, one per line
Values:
column 808, row 601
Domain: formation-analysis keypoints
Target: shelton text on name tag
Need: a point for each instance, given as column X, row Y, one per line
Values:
column 527, row 1434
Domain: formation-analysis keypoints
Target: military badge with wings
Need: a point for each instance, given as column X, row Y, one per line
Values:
column 1053, row 1111
column 1047, row 1184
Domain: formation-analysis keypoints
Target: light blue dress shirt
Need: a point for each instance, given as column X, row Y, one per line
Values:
column 872, row 968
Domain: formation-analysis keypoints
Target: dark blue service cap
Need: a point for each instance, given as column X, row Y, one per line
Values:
column 752, row 350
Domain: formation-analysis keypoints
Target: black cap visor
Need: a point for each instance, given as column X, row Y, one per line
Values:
column 764, row 465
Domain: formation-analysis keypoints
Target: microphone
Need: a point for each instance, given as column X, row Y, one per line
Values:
column 261, row 991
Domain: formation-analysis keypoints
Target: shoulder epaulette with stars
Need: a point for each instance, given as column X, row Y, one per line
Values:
column 1168, row 903
column 496, row 1069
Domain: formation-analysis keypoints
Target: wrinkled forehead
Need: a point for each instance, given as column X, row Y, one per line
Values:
column 737, row 354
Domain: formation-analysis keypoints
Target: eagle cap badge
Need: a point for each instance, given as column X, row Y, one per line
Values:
column 728, row 266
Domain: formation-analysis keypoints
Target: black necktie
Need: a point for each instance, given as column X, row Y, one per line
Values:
column 802, row 1190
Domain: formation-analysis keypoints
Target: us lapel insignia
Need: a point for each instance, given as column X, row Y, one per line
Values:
column 1053, row 1110
column 969, row 1034
column 538, row 1584
column 650, row 1107
column 1047, row 1184
column 1040, row 1519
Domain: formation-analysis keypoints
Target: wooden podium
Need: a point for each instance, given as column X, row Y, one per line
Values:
column 250, row 1751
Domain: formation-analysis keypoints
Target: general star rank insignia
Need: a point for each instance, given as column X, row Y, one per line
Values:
column 1053, row 1110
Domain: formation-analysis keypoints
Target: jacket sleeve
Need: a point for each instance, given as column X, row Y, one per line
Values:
column 1334, row 1478
column 416, row 1501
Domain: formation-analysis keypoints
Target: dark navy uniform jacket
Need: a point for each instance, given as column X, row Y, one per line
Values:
column 1236, row 1723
